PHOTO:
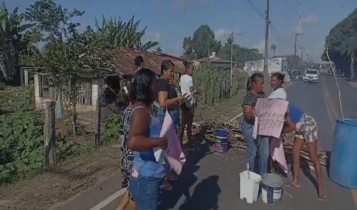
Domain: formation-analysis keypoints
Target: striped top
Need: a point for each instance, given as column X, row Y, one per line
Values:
column 251, row 99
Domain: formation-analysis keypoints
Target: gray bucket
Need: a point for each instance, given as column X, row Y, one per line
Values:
column 272, row 188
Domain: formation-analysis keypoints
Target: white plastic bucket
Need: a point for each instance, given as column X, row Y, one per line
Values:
column 272, row 188
column 249, row 187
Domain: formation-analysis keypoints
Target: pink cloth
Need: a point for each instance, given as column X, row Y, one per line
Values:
column 173, row 154
column 277, row 152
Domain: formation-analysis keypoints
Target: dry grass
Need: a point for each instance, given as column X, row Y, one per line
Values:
column 59, row 184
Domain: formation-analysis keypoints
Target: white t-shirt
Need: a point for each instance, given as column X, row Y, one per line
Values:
column 186, row 83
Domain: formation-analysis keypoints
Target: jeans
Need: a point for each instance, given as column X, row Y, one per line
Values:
column 145, row 192
column 256, row 147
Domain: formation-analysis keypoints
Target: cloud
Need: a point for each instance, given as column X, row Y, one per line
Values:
column 151, row 36
column 260, row 46
column 310, row 20
column 222, row 35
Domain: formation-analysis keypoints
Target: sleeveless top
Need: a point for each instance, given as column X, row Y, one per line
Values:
column 144, row 161
column 295, row 113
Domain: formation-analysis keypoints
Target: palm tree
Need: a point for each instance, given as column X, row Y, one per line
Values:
column 117, row 33
column 16, row 42
column 273, row 48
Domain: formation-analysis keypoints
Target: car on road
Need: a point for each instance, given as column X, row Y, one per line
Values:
column 311, row 75
column 296, row 75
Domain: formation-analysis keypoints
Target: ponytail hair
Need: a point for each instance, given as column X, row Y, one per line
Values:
column 252, row 79
column 280, row 76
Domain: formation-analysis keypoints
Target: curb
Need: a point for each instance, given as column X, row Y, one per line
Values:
column 113, row 199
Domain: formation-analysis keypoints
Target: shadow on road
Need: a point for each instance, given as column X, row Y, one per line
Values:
column 205, row 194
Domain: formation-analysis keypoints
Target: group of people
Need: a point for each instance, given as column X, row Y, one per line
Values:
column 305, row 127
column 146, row 98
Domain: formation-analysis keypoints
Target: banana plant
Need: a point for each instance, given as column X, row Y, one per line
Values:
column 117, row 33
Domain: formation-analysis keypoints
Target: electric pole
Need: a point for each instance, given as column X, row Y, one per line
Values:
column 231, row 78
column 267, row 88
column 302, row 52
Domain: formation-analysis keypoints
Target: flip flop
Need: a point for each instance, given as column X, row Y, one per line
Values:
column 323, row 199
column 291, row 185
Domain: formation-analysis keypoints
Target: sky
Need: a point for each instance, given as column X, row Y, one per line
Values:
column 169, row 21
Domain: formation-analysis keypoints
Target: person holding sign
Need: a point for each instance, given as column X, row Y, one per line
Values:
column 306, row 132
column 168, row 100
column 259, row 145
column 143, row 138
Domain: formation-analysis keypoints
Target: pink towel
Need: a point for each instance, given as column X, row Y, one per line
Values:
column 277, row 152
column 173, row 153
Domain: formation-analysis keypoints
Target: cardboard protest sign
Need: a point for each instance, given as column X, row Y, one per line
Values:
column 269, row 117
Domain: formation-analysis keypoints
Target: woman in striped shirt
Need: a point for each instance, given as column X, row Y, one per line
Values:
column 261, row 144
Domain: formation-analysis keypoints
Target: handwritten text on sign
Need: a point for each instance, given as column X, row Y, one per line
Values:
column 269, row 119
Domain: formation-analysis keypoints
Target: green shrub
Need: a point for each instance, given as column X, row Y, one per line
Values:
column 111, row 129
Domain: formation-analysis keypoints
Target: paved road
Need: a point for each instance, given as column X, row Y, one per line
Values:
column 321, row 102
column 211, row 181
column 214, row 183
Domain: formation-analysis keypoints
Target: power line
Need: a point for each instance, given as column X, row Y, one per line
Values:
column 256, row 9
column 277, row 34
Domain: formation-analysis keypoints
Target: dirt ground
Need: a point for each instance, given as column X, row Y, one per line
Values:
column 66, row 180
column 84, row 172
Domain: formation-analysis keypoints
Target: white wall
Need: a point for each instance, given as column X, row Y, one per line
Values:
column 274, row 65
column 96, row 85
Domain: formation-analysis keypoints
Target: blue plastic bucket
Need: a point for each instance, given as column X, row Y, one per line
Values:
column 343, row 169
column 272, row 188
column 221, row 145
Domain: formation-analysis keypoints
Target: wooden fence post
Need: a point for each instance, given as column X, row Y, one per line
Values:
column 98, row 116
column 50, row 133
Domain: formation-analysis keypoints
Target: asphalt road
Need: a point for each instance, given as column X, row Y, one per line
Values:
column 211, row 181
column 321, row 101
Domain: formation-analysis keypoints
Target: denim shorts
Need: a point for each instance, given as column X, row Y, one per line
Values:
column 146, row 192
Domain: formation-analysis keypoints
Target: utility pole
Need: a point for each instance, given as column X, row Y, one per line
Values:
column 302, row 52
column 299, row 30
column 267, row 88
column 307, row 57
column 231, row 78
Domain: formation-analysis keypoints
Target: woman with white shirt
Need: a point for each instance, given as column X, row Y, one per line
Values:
column 187, row 108
column 277, row 80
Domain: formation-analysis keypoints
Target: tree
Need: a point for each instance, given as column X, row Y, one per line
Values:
column 240, row 54
column 117, row 33
column 16, row 42
column 273, row 48
column 340, row 44
column 202, row 44
column 158, row 50
column 68, row 53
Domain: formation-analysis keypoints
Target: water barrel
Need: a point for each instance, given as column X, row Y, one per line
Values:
column 221, row 145
column 343, row 167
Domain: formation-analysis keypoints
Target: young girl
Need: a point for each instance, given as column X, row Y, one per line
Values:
column 126, row 162
column 306, row 132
